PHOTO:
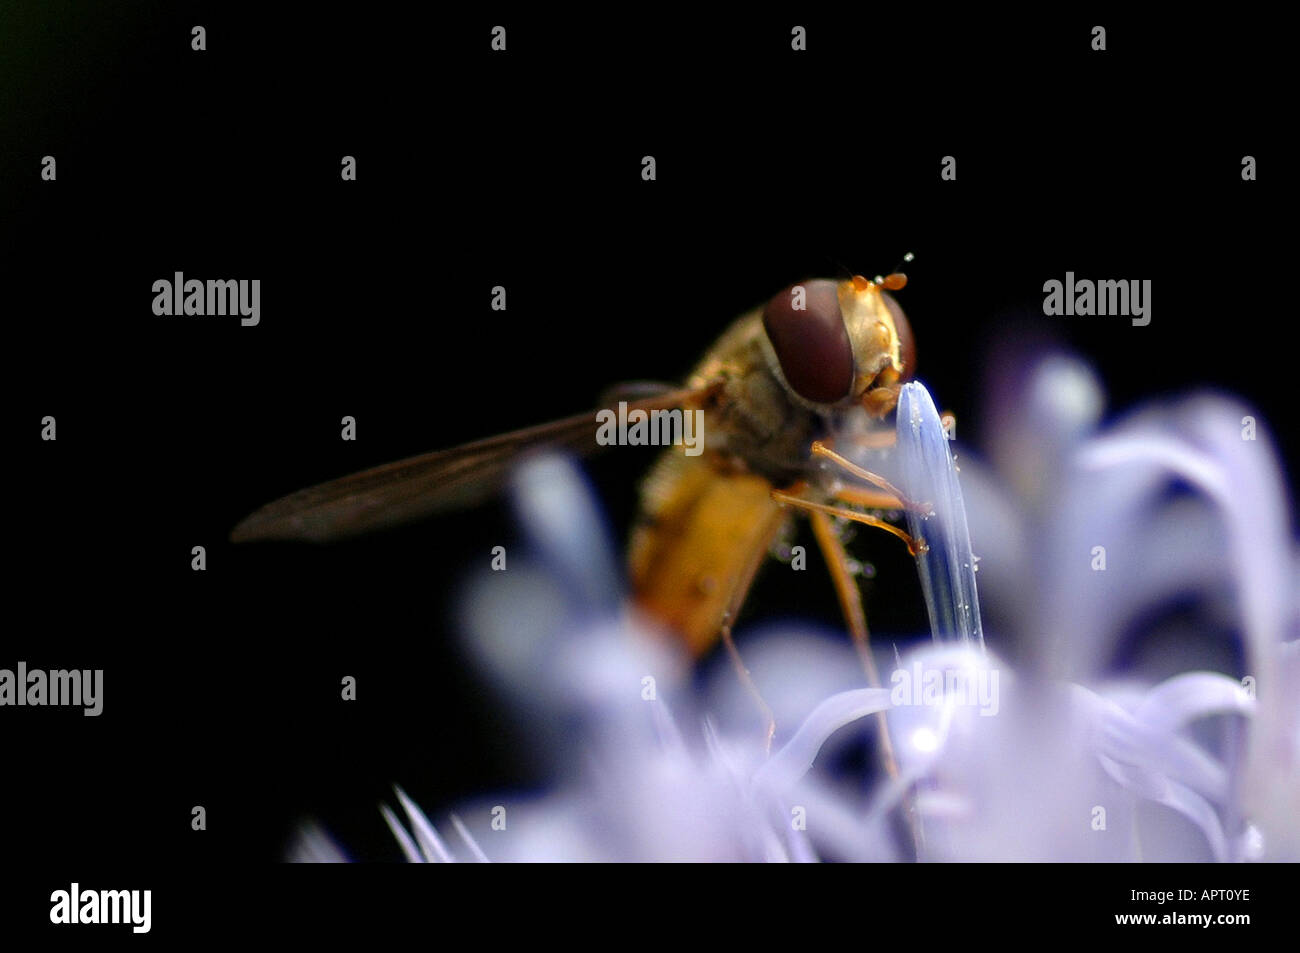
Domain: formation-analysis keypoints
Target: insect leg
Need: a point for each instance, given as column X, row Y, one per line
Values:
column 820, row 449
column 914, row 546
column 846, row 589
column 739, row 592
column 850, row 599
column 868, row 499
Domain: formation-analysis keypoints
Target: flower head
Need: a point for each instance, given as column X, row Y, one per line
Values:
column 1091, row 749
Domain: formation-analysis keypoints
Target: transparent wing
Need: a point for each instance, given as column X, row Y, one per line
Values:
column 420, row 486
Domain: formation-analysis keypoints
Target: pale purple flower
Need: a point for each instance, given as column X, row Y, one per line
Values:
column 1085, row 737
column 1077, row 755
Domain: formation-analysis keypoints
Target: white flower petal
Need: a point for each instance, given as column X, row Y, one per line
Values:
column 431, row 845
column 929, row 476
column 409, row 850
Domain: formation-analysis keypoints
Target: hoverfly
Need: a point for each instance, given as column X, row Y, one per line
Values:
column 776, row 390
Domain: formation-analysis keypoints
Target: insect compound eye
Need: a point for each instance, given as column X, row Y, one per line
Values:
column 806, row 328
column 907, row 343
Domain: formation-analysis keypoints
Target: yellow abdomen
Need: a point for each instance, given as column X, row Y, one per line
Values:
column 702, row 534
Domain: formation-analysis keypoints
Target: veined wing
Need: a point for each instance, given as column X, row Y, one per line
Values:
column 420, row 486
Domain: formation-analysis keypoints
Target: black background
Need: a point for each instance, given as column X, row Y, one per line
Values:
column 521, row 169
